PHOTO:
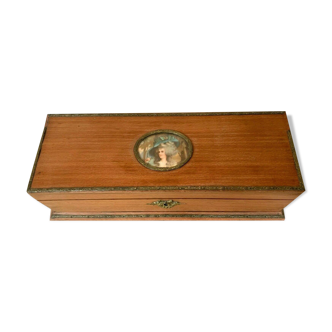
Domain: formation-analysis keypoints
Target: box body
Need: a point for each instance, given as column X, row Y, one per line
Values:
column 241, row 165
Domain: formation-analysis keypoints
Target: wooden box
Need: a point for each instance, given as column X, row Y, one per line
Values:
column 166, row 166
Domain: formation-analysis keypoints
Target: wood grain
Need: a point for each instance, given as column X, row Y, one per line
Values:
column 245, row 194
column 188, row 205
column 235, row 150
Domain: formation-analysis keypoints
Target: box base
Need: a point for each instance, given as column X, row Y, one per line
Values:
column 277, row 216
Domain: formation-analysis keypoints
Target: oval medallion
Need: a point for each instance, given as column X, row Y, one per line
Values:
column 163, row 150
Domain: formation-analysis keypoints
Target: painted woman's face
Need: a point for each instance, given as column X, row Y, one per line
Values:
column 161, row 153
column 163, row 150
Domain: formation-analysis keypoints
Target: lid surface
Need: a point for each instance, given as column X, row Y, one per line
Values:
column 251, row 151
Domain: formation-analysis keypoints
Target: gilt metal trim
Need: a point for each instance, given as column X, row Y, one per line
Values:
column 296, row 162
column 165, row 204
column 165, row 114
column 119, row 216
column 157, row 188
column 36, row 159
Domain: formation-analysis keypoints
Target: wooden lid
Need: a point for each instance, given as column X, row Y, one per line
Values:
column 231, row 151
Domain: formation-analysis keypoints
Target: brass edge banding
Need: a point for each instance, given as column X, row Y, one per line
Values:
column 37, row 158
column 98, row 189
column 167, row 114
column 296, row 162
column 55, row 216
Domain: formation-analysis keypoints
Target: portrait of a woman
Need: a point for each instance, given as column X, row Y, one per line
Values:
column 163, row 150
column 164, row 154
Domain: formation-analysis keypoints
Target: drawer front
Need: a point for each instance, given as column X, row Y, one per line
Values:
column 166, row 205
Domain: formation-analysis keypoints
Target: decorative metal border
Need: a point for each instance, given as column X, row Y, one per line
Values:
column 296, row 162
column 166, row 114
column 173, row 188
column 37, row 158
column 164, row 188
column 119, row 216
column 159, row 131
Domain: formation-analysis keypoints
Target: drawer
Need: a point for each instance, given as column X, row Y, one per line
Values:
column 162, row 205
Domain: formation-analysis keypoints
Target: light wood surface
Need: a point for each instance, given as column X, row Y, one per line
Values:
column 87, row 167
column 233, row 150
column 188, row 205
column 169, row 194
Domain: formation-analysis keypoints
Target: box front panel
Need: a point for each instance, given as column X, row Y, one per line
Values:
column 169, row 205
